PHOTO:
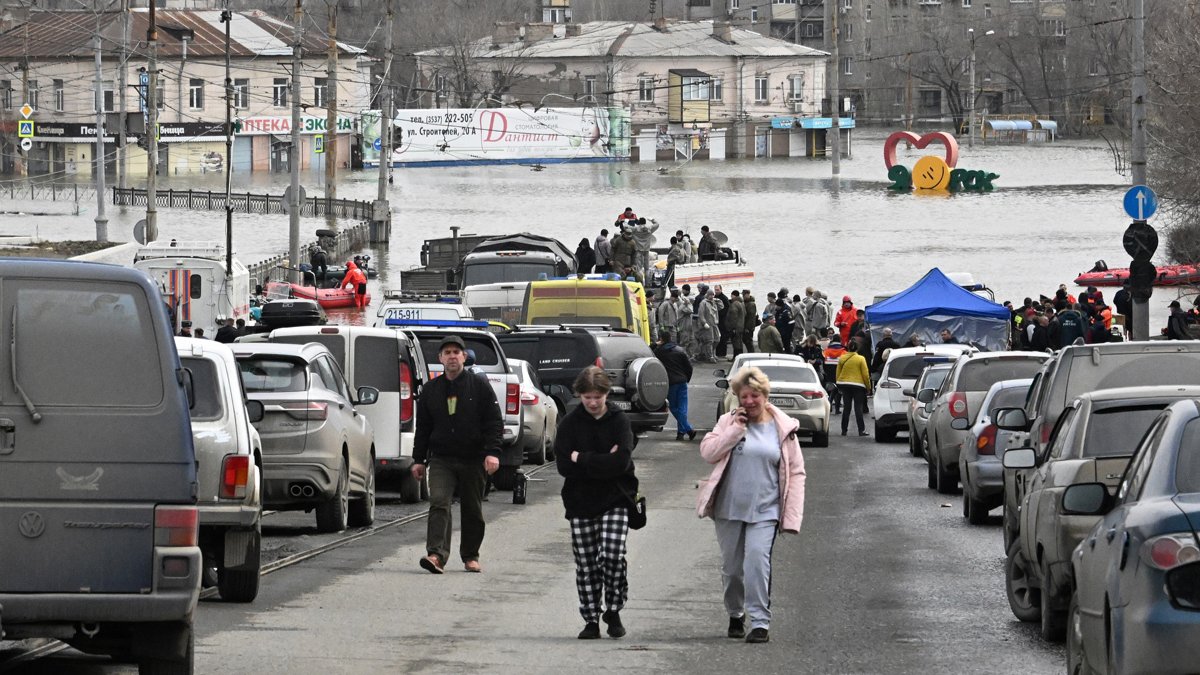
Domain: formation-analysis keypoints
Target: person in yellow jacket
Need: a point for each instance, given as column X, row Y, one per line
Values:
column 854, row 383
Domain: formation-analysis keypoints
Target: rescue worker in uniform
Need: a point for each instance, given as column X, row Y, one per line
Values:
column 356, row 281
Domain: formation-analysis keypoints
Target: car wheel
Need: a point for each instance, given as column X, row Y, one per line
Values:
column 539, row 455
column 820, row 440
column 975, row 510
column 932, row 482
column 410, row 489
column 946, row 482
column 1011, row 526
column 505, row 478
column 242, row 585
column 914, row 447
column 362, row 510
column 183, row 665
column 1054, row 621
column 884, row 435
column 333, row 515
column 1023, row 597
column 1076, row 656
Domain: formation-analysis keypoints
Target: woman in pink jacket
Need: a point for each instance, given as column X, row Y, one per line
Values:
column 756, row 489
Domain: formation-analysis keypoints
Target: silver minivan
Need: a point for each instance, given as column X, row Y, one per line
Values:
column 98, row 518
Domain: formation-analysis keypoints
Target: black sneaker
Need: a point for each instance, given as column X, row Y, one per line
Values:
column 737, row 627
column 679, row 436
column 591, row 631
column 758, row 635
column 613, row 619
column 692, row 435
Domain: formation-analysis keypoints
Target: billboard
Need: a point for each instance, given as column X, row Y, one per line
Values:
column 432, row 137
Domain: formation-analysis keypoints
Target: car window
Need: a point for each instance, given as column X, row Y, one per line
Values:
column 1139, row 468
column 907, row 367
column 575, row 352
column 339, row 377
column 321, row 377
column 207, row 387
column 272, row 374
column 1116, row 431
column 1061, row 434
column 1187, row 467
column 377, row 363
column 494, row 273
column 934, row 377
column 618, row 350
column 485, row 350
column 980, row 375
column 1131, row 370
column 1009, row 397
column 788, row 374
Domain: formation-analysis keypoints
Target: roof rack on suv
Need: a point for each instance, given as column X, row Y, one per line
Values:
column 574, row 327
column 452, row 297
column 436, row 323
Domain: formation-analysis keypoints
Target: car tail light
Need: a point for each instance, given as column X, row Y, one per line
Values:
column 1045, row 433
column 812, row 395
column 889, row 384
column 406, row 393
column 1183, row 586
column 529, row 398
column 307, row 410
column 1169, row 551
column 512, row 399
column 958, row 404
column 176, row 526
column 235, row 476
column 986, row 445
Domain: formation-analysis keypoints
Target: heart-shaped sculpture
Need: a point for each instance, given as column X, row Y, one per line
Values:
column 945, row 138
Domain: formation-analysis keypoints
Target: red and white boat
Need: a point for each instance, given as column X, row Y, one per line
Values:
column 328, row 298
column 1167, row 275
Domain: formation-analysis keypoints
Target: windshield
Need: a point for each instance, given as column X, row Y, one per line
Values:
column 790, row 374
column 483, row 350
column 1116, row 431
column 504, row 270
column 934, row 377
column 982, row 374
column 268, row 374
column 907, row 367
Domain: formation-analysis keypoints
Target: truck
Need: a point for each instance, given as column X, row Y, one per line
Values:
column 454, row 263
column 198, row 281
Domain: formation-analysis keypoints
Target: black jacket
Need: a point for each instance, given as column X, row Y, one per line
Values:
column 884, row 345
column 227, row 334
column 474, row 430
column 600, row 479
column 676, row 361
column 585, row 258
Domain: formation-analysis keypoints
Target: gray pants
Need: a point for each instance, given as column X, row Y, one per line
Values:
column 469, row 476
column 746, row 568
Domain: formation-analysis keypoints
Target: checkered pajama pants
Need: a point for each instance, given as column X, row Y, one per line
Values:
column 599, row 548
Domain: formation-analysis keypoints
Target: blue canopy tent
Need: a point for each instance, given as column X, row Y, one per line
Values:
column 935, row 302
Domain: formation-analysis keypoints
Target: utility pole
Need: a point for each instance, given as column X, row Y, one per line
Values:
column 227, row 19
column 152, row 128
column 331, row 117
column 835, row 95
column 122, row 83
column 294, row 158
column 1141, row 307
column 101, row 219
column 971, row 93
column 908, row 93
column 382, row 210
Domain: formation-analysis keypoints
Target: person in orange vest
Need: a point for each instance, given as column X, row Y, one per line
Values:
column 845, row 318
column 832, row 353
column 356, row 281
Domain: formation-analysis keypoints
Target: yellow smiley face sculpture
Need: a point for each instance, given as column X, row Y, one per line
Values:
column 931, row 173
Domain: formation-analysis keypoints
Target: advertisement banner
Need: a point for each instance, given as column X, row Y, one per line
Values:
column 501, row 135
column 282, row 126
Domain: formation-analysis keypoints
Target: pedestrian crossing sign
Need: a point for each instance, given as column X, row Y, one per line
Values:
column 24, row 128
column 319, row 144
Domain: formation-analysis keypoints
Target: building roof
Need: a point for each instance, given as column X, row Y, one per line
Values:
column 69, row 34
column 679, row 39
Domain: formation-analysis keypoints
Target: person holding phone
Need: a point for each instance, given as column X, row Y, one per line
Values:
column 756, row 489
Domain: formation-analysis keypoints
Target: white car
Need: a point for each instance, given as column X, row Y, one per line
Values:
column 904, row 365
column 744, row 359
column 796, row 391
column 539, row 421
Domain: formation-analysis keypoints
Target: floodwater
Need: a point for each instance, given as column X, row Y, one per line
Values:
column 1056, row 209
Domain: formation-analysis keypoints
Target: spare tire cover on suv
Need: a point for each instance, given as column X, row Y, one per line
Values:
column 649, row 378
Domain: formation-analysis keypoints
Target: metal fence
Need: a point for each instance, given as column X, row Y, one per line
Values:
column 348, row 239
column 54, row 192
column 243, row 202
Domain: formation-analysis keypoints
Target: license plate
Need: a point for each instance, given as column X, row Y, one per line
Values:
column 620, row 405
column 780, row 402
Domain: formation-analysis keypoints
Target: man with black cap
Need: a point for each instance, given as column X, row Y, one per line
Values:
column 1177, row 323
column 459, row 430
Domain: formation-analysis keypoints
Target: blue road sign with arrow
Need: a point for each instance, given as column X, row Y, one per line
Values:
column 1140, row 202
column 378, row 144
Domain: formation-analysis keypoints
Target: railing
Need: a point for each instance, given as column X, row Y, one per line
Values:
column 243, row 202
column 55, row 192
column 348, row 239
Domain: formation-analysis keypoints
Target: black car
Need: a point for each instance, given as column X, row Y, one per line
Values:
column 558, row 354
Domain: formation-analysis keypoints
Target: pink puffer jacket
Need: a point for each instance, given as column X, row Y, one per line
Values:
column 719, row 442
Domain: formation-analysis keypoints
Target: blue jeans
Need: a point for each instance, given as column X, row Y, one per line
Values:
column 677, row 400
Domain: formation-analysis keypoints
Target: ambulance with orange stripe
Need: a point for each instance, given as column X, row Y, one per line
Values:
column 591, row 299
column 194, row 282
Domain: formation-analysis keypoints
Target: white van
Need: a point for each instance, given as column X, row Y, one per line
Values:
column 496, row 302
column 194, row 282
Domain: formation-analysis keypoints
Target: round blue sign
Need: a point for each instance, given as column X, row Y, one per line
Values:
column 378, row 144
column 1140, row 202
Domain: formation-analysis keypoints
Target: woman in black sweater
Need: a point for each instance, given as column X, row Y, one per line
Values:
column 594, row 448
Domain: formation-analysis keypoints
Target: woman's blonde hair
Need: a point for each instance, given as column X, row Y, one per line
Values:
column 751, row 377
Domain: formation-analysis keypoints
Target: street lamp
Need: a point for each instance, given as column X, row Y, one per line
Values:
column 971, row 129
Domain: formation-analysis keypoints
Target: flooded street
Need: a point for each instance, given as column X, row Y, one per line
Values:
column 1056, row 210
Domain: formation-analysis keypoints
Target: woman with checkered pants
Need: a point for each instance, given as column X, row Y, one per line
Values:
column 594, row 450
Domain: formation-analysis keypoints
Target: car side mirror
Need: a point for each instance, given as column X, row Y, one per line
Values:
column 1086, row 499
column 959, row 424
column 907, row 392
column 925, row 395
column 1012, row 419
column 722, row 384
column 720, row 372
column 1020, row 458
column 367, row 395
column 255, row 411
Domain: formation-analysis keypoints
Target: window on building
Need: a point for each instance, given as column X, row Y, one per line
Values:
column 849, row 33
column 754, row 14
column 160, row 96
column 589, row 85
column 196, row 93
column 987, row 10
column 1055, row 27
column 441, row 88
column 931, row 101
column 695, row 88
column 966, row 4
column 1014, row 28
column 716, row 90
column 847, row 65
column 699, row 3
column 241, row 93
column 279, row 92
column 810, row 29
column 32, row 97
column 6, row 94
column 762, row 89
column 554, row 15
column 1094, row 67
column 848, row 5
column 320, row 91
column 646, row 90
column 796, row 90
column 735, row 4
column 867, row 45
column 867, row 12
column 60, row 96
column 107, row 97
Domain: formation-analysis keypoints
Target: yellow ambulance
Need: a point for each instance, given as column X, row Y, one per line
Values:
column 591, row 299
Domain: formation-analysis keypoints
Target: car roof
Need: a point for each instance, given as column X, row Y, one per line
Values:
column 934, row 350
column 983, row 356
column 760, row 356
column 201, row 348
column 305, row 351
column 783, row 363
column 1141, row 393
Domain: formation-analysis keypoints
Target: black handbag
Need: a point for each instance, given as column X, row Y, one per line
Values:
column 637, row 510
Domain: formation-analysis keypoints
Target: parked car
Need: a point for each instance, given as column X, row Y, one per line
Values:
column 742, row 360
column 931, row 378
column 489, row 360
column 1136, row 606
column 100, row 540
column 558, row 354
column 796, row 391
column 228, row 467
column 1093, row 441
column 980, row 465
column 889, row 405
column 318, row 449
column 958, row 402
column 409, row 309
column 539, row 421
column 390, row 361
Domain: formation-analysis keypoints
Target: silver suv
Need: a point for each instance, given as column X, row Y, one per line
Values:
column 318, row 451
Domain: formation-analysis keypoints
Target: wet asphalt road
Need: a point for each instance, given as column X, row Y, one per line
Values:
column 884, row 578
